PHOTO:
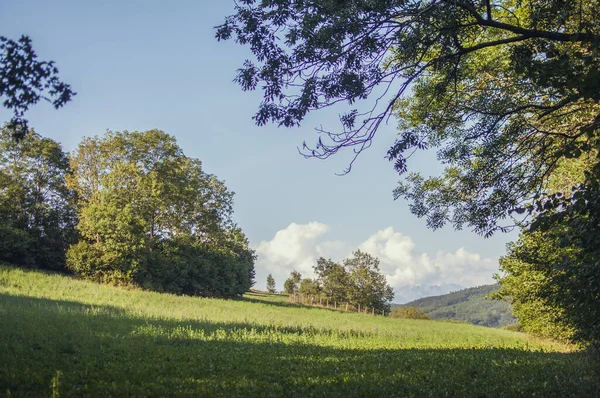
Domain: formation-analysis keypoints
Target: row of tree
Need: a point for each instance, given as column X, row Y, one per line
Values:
column 124, row 208
column 357, row 281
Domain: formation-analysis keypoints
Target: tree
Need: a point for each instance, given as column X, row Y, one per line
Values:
column 271, row 288
column 502, row 89
column 37, row 217
column 291, row 284
column 309, row 287
column 550, row 273
column 332, row 278
column 150, row 216
column 24, row 81
column 367, row 285
column 529, row 284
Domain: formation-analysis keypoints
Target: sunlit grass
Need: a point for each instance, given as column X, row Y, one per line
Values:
column 109, row 341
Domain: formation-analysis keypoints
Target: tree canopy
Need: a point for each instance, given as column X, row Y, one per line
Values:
column 24, row 81
column 358, row 281
column 150, row 216
column 292, row 283
column 367, row 285
column 550, row 274
column 37, row 218
column 502, row 89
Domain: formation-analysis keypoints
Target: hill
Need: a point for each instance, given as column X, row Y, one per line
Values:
column 69, row 338
column 468, row 305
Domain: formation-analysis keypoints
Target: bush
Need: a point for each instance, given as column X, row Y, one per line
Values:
column 15, row 246
column 173, row 266
column 409, row 313
column 515, row 327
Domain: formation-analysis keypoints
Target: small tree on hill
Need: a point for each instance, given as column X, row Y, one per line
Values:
column 333, row 279
column 367, row 285
column 271, row 284
column 291, row 284
column 309, row 287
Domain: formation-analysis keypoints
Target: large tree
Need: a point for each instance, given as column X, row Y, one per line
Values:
column 503, row 89
column 332, row 278
column 37, row 217
column 149, row 215
column 25, row 80
column 551, row 274
column 367, row 286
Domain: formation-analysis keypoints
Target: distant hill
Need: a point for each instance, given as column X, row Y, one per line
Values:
column 469, row 305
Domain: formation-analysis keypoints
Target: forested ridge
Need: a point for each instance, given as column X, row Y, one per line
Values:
column 470, row 305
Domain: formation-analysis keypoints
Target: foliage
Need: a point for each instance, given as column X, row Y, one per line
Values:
column 408, row 313
column 309, row 287
column 292, row 283
column 574, row 228
column 502, row 89
column 551, row 283
column 333, row 279
column 358, row 282
column 37, row 217
column 150, row 216
column 469, row 305
column 109, row 341
column 271, row 288
column 367, row 285
column 551, row 272
column 24, row 81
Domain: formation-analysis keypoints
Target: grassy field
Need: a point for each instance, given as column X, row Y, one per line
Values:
column 70, row 338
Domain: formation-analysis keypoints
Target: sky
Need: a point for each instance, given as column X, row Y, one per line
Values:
column 143, row 64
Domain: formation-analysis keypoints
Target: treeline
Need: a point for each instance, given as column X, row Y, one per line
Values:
column 125, row 208
column 357, row 282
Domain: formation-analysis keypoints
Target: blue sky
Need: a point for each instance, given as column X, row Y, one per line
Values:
column 138, row 65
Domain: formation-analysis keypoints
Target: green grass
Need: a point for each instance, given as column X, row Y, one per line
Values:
column 72, row 338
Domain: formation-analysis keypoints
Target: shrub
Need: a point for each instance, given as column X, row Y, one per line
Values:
column 409, row 313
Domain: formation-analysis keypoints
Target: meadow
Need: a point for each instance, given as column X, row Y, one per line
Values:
column 63, row 337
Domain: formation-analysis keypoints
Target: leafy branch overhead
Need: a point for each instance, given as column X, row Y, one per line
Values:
column 503, row 89
column 24, row 81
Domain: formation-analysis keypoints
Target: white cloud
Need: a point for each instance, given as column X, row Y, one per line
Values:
column 411, row 273
column 292, row 248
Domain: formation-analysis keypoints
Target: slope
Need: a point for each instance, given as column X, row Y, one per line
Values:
column 68, row 338
column 468, row 305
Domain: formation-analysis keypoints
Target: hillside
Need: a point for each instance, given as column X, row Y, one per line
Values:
column 69, row 338
column 469, row 305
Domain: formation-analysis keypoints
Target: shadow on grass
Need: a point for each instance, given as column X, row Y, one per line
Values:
column 267, row 298
column 103, row 351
